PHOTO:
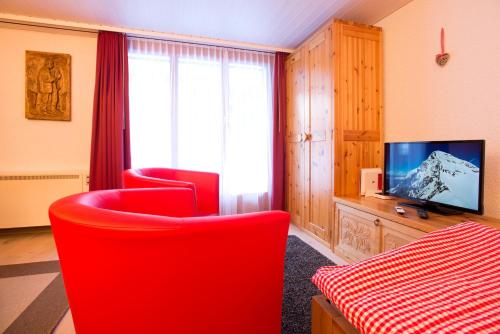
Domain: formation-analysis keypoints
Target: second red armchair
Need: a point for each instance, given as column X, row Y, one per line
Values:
column 204, row 184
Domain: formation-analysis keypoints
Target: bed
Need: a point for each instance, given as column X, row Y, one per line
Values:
column 446, row 282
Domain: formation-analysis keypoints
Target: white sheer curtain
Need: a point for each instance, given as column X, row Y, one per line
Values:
column 204, row 108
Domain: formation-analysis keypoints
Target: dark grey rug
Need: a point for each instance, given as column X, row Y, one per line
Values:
column 301, row 263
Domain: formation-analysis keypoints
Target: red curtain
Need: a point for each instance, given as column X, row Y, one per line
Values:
column 110, row 151
column 279, row 107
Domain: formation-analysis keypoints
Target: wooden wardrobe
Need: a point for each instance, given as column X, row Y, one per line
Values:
column 334, row 120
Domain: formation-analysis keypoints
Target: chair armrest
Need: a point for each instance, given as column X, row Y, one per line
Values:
column 207, row 189
column 139, row 181
column 168, row 202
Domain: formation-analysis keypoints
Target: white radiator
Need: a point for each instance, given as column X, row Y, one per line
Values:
column 25, row 198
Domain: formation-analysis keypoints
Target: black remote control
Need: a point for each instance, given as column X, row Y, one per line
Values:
column 422, row 214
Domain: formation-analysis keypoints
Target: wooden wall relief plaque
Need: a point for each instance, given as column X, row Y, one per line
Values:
column 48, row 86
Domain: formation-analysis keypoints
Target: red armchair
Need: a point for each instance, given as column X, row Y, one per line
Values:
column 135, row 261
column 204, row 184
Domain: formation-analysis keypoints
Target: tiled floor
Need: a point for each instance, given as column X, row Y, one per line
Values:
column 40, row 246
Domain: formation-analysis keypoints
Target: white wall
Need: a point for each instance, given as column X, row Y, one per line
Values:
column 460, row 101
column 34, row 145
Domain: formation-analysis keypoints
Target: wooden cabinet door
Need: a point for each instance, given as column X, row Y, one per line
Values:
column 318, row 135
column 295, row 128
column 357, row 233
column 358, row 103
column 395, row 235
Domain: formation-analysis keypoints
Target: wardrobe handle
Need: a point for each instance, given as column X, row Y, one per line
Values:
column 376, row 222
column 308, row 136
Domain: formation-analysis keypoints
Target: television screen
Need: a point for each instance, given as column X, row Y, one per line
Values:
column 448, row 173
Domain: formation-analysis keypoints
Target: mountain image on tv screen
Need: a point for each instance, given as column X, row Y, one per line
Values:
column 447, row 173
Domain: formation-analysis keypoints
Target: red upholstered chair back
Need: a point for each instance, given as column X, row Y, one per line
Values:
column 135, row 261
column 204, row 184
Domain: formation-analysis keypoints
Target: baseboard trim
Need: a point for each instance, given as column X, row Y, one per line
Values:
column 25, row 230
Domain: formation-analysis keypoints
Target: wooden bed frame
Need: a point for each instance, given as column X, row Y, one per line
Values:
column 327, row 319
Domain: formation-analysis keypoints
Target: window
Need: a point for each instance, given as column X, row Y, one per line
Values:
column 204, row 108
column 199, row 109
column 249, row 130
column 150, row 111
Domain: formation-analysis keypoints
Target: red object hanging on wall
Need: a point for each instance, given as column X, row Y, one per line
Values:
column 443, row 57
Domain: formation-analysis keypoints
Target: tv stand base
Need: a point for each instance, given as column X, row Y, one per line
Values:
column 432, row 208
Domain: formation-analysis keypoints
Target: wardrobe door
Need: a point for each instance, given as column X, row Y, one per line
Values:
column 296, row 115
column 358, row 104
column 319, row 134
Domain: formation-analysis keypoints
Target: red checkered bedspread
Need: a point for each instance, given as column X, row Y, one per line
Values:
column 445, row 282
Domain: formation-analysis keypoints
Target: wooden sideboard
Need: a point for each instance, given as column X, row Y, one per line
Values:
column 366, row 226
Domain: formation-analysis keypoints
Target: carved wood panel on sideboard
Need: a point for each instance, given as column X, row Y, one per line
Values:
column 361, row 235
column 334, row 120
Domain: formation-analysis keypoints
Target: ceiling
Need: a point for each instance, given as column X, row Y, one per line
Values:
column 278, row 23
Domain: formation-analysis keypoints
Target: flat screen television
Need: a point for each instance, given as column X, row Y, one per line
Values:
column 440, row 176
